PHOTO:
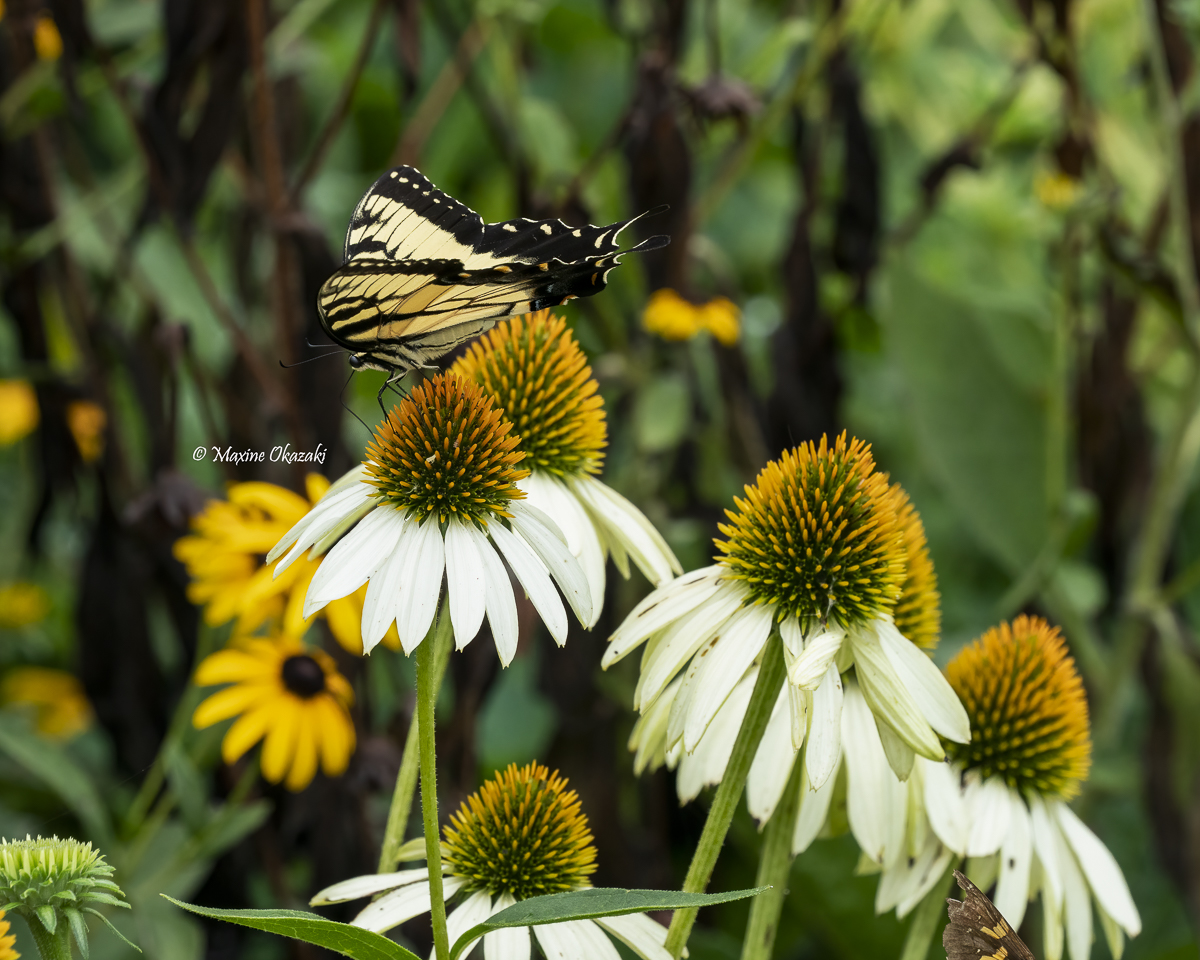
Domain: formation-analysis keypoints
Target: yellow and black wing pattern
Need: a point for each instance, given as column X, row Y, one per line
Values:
column 978, row 931
column 423, row 272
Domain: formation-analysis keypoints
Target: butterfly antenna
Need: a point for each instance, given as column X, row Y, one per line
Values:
column 346, row 406
column 334, row 352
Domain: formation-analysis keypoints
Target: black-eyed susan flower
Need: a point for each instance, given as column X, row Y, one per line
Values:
column 87, row 422
column 287, row 695
column 52, row 884
column 8, row 940
column 438, row 496
column 56, row 699
column 1001, row 800
column 522, row 834
column 534, row 370
column 19, row 412
column 819, row 550
column 224, row 556
column 22, row 604
column 672, row 317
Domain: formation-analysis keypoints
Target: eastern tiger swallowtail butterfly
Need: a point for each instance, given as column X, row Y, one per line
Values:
column 423, row 272
column 978, row 931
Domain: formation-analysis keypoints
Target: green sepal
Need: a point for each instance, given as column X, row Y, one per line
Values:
column 108, row 923
column 49, row 918
column 79, row 929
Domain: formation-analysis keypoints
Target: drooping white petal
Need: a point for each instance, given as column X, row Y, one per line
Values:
column 741, row 641
column 944, row 804
column 706, row 765
column 386, row 590
column 507, row 943
column 1099, row 868
column 559, row 942
column 899, row 754
column 887, row 695
column 932, row 691
column 907, row 882
column 825, row 733
column 1016, row 861
column 1077, row 904
column 594, row 941
column 773, row 761
column 550, row 495
column 814, row 807
column 534, row 578
column 874, row 797
column 808, row 669
column 367, row 885
column 1112, row 933
column 474, row 910
column 498, row 597
column 392, row 909
column 329, row 512
column 639, row 933
column 649, row 736
column 1045, row 849
column 355, row 559
column 681, row 641
column 1052, row 919
column 663, row 606
column 932, row 874
column 424, row 564
column 548, row 544
column 464, row 582
column 988, row 812
column 792, row 635
column 627, row 526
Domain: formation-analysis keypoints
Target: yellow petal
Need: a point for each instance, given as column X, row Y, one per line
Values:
column 304, row 763
column 231, row 666
column 280, row 503
column 337, row 738
column 280, row 744
column 246, row 731
column 344, row 617
column 229, row 703
column 316, row 486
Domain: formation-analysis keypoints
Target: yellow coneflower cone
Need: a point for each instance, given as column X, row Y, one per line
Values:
column 918, row 612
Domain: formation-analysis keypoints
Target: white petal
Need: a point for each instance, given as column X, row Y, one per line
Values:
column 386, row 590
column 911, row 878
column 627, row 525
column 1016, row 860
column 887, row 695
column 706, row 765
column 1052, row 920
column 394, row 908
column 899, row 754
column 932, row 691
column 464, row 582
column 559, row 942
column 354, row 560
column 741, row 641
column 507, row 943
column 944, row 804
column 933, row 873
column 1112, row 933
column 424, row 564
column 1045, row 849
column 367, row 885
column 340, row 501
column 808, row 669
column 799, row 708
column 665, row 605
column 792, row 635
column 825, row 734
column 1100, row 869
column 499, row 599
column 772, row 762
column 474, row 910
column 594, row 941
column 540, row 532
column 874, row 797
column 649, row 736
column 1077, row 904
column 639, row 933
column 988, row 811
column 550, row 495
column 683, row 639
column 814, row 807
column 534, row 578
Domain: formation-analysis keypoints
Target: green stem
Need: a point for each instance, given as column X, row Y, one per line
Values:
column 406, row 777
column 50, row 946
column 925, row 919
column 720, row 815
column 774, row 867
column 427, row 691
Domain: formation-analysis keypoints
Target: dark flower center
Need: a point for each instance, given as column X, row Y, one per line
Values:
column 303, row 676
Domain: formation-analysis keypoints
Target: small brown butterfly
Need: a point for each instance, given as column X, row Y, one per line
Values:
column 977, row 931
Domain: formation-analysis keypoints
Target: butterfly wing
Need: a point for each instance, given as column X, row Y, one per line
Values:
column 978, row 931
column 424, row 273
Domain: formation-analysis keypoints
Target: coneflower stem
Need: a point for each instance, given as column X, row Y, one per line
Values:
column 427, row 691
column 406, row 777
column 774, row 867
column 762, row 701
column 51, row 946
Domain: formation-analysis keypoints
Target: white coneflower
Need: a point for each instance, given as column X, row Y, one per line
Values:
column 521, row 835
column 1002, row 799
column 819, row 549
column 535, row 371
column 438, row 496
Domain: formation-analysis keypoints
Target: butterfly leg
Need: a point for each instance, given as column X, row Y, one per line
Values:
column 398, row 375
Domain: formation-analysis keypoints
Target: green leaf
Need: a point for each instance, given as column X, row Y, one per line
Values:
column 339, row 937
column 597, row 902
